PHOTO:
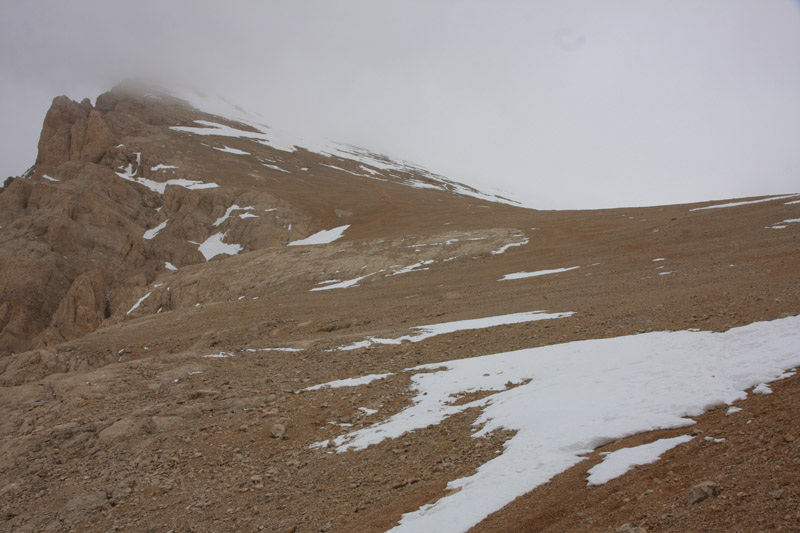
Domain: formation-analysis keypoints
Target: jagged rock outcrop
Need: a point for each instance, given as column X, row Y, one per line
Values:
column 82, row 310
column 123, row 189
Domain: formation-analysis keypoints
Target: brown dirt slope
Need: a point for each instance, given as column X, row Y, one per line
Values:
column 115, row 420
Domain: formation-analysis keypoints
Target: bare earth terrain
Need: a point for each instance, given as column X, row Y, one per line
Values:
column 114, row 417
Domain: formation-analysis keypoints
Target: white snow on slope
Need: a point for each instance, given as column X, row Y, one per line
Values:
column 782, row 224
column 340, row 169
column 149, row 234
column 340, row 285
column 412, row 268
column 287, row 142
column 274, row 167
column 213, row 246
column 160, row 186
column 735, row 204
column 138, row 303
column 170, row 266
column 325, row 236
column 521, row 275
column 228, row 212
column 581, row 395
column 424, row 332
column 274, row 349
column 349, row 382
column 48, row 178
column 229, row 150
column 620, row 461
column 505, row 247
column 161, row 167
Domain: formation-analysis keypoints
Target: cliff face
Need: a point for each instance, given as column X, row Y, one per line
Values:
column 73, row 132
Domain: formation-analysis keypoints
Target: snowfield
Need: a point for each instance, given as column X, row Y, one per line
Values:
column 571, row 398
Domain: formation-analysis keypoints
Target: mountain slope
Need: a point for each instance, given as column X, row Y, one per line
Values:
column 137, row 161
column 156, row 385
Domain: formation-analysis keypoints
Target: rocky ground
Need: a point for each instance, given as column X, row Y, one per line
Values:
column 111, row 420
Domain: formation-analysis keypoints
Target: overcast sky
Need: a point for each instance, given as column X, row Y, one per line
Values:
column 564, row 104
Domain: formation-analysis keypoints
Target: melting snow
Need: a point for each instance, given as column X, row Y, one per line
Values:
column 350, row 382
column 507, row 246
column 425, row 332
column 161, row 167
column 160, row 186
column 287, row 142
column 732, row 409
column 341, row 285
column 520, row 275
column 273, row 167
column 734, row 204
column 274, row 349
column 344, row 170
column 782, row 224
column 411, row 268
column 138, row 303
column 229, row 150
column 149, row 234
column 49, row 178
column 170, row 266
column 213, row 246
column 325, row 236
column 574, row 397
column 620, row 461
column 228, row 212
column 220, row 355
column 762, row 388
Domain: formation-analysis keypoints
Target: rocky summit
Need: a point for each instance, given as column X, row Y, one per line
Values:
column 210, row 325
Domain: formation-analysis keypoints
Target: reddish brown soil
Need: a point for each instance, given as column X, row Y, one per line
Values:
column 127, row 427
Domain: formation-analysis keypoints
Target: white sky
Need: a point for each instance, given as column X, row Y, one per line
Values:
column 564, row 104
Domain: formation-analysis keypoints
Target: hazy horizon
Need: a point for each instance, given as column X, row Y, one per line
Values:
column 560, row 105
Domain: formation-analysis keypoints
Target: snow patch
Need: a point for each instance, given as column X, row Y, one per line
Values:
column 350, row 382
column 213, row 246
column 229, row 150
column 735, row 204
column 502, row 249
column 149, row 234
column 129, row 175
column 325, row 236
column 521, row 275
column 340, row 285
column 424, row 332
column 620, row 461
column 228, row 212
column 580, row 395
column 138, row 303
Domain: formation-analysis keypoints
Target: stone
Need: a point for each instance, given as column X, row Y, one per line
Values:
column 277, row 431
column 703, row 491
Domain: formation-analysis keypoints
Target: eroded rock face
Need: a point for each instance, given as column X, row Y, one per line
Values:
column 63, row 132
column 73, row 132
column 82, row 309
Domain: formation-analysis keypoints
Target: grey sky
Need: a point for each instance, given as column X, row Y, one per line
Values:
column 565, row 104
